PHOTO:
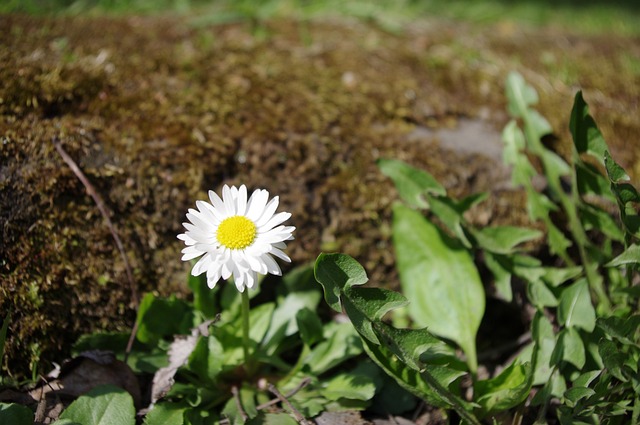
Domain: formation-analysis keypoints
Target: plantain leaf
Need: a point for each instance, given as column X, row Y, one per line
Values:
column 439, row 277
column 631, row 255
column 334, row 272
column 575, row 308
column 586, row 135
column 510, row 388
column 412, row 183
column 103, row 405
column 504, row 239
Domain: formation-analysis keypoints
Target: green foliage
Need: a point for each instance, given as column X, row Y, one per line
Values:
column 15, row 414
column 585, row 344
column 103, row 405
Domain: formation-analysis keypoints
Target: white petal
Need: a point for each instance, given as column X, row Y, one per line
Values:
column 251, row 278
column 213, row 215
column 201, row 266
column 272, row 266
column 256, row 204
column 268, row 212
column 242, row 201
column 278, row 253
column 190, row 253
column 229, row 200
column 275, row 220
column 218, row 204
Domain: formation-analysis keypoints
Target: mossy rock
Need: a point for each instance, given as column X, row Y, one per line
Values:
column 157, row 111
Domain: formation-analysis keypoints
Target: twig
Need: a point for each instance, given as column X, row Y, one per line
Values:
column 105, row 214
column 236, row 397
column 296, row 414
column 301, row 385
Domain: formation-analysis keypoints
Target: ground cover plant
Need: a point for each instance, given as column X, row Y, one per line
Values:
column 215, row 360
column 157, row 110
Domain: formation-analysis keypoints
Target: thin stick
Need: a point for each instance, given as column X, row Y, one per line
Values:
column 301, row 385
column 236, row 397
column 296, row 414
column 105, row 214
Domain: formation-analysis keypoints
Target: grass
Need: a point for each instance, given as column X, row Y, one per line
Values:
column 589, row 16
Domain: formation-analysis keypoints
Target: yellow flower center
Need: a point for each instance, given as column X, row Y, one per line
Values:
column 237, row 232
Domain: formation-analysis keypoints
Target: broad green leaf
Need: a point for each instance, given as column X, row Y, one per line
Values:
column 569, row 348
column 349, row 385
column 161, row 317
column 417, row 348
column 364, row 305
column 334, row 272
column 624, row 330
column 596, row 219
column 612, row 358
column 504, row 239
column 510, row 388
column 166, row 414
column 341, row 343
column 589, row 180
column 447, row 211
column 586, row 135
column 556, row 276
column 631, row 255
column 575, row 394
column 412, row 183
column 407, row 378
column 586, row 378
column 544, row 342
column 440, row 279
column 103, row 405
column 540, row 295
column 520, row 95
column 259, row 321
column 299, row 292
column 615, row 172
column 207, row 359
column 309, row 325
column 15, row 414
column 575, row 308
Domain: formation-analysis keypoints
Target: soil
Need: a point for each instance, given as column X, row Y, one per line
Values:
column 156, row 111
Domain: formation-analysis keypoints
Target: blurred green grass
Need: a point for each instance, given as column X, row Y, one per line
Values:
column 586, row 16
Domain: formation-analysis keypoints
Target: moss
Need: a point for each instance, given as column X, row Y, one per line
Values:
column 156, row 112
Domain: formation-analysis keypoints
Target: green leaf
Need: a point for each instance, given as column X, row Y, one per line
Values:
column 349, row 385
column 520, row 95
column 207, row 360
column 589, row 180
column 416, row 348
column 586, row 135
column 161, row 317
column 273, row 419
column 439, row 277
column 510, row 388
column 504, row 239
column 540, row 295
column 166, row 414
column 341, row 343
column 15, row 414
column 545, row 341
column 575, row 308
column 575, row 394
column 631, row 255
column 365, row 305
column 569, row 348
column 309, row 325
column 594, row 218
column 334, row 272
column 612, row 358
column 412, row 184
column 624, row 330
column 447, row 210
column 103, row 405
column 615, row 172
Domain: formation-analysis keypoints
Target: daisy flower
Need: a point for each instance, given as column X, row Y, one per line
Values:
column 236, row 236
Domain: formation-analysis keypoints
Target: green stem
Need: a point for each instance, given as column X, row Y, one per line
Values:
column 245, row 328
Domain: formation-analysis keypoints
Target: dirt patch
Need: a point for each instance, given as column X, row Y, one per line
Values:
column 157, row 111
